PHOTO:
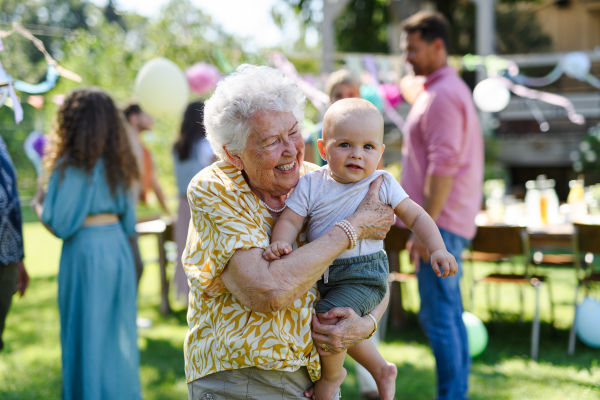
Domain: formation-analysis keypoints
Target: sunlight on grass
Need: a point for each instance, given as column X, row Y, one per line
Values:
column 30, row 365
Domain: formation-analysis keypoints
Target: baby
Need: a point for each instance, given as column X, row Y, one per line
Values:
column 352, row 145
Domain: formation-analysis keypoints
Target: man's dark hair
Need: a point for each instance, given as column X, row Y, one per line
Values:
column 132, row 108
column 431, row 25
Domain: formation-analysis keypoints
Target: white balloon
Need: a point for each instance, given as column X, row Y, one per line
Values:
column 162, row 88
column 491, row 95
column 576, row 65
column 587, row 324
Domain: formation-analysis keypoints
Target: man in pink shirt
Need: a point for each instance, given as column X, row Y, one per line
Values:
column 443, row 172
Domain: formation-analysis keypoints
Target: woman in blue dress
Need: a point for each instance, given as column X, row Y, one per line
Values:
column 89, row 204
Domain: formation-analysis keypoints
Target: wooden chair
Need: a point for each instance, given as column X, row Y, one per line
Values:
column 503, row 244
column 586, row 241
column 394, row 243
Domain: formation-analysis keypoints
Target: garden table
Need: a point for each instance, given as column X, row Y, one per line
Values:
column 163, row 229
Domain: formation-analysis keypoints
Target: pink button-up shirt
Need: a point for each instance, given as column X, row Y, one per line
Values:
column 442, row 137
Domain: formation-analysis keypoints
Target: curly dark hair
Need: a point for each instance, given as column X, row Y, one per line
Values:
column 90, row 127
column 192, row 130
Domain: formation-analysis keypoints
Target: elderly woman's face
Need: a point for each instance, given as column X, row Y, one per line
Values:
column 273, row 154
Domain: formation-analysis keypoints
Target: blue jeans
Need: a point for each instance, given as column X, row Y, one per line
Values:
column 441, row 319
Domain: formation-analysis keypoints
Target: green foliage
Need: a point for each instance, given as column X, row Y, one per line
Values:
column 519, row 32
column 362, row 27
column 585, row 159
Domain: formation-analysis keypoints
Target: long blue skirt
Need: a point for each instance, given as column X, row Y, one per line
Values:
column 97, row 303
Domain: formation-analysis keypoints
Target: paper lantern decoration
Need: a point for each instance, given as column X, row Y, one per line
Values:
column 202, row 77
column 476, row 334
column 161, row 88
column 391, row 93
column 34, row 147
column 491, row 95
column 576, row 65
column 371, row 93
column 587, row 324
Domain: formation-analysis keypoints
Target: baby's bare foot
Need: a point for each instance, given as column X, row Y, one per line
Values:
column 386, row 381
column 325, row 388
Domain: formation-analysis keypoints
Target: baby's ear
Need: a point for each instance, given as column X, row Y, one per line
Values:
column 321, row 146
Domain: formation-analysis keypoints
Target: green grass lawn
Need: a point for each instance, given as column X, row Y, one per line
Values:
column 30, row 363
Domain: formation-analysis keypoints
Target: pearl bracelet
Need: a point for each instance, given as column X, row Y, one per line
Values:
column 375, row 322
column 349, row 229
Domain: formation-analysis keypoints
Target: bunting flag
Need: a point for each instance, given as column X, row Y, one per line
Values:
column 389, row 111
column 318, row 98
column 16, row 105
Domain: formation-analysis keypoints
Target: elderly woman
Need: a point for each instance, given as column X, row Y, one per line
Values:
column 249, row 319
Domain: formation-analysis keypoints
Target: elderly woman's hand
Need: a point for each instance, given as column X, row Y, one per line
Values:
column 373, row 218
column 349, row 330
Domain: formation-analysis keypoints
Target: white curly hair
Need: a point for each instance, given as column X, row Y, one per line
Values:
column 239, row 96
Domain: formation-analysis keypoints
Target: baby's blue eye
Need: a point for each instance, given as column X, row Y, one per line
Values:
column 369, row 146
column 344, row 145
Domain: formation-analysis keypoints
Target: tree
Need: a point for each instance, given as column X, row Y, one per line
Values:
column 362, row 27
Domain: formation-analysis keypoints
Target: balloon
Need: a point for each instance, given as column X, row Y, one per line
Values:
column 491, row 95
column 587, row 324
column 371, row 94
column 476, row 334
column 576, row 65
column 391, row 93
column 411, row 87
column 161, row 88
column 202, row 77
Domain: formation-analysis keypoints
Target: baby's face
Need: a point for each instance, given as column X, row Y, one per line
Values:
column 353, row 149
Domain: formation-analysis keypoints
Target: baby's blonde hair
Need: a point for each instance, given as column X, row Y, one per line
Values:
column 347, row 110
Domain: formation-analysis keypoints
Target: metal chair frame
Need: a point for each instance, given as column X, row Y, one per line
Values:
column 586, row 240
column 395, row 243
column 499, row 244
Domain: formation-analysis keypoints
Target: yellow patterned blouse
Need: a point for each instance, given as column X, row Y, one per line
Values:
column 223, row 334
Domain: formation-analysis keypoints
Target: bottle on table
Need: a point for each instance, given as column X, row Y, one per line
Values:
column 576, row 201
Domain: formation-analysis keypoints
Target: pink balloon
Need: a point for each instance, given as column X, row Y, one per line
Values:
column 202, row 77
column 391, row 93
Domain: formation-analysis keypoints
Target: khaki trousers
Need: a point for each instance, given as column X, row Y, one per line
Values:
column 252, row 384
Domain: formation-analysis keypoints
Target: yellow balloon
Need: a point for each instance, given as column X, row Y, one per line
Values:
column 161, row 88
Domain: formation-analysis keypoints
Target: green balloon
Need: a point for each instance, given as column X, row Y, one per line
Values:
column 476, row 334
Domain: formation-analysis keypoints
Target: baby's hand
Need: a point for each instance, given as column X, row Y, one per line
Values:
column 443, row 263
column 276, row 250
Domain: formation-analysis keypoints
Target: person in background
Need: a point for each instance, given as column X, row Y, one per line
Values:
column 89, row 203
column 140, row 122
column 191, row 154
column 341, row 84
column 442, row 159
column 13, row 275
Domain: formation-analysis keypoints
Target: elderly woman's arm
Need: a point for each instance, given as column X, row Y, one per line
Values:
column 265, row 286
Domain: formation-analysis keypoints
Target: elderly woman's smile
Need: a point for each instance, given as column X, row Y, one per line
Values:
column 286, row 167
